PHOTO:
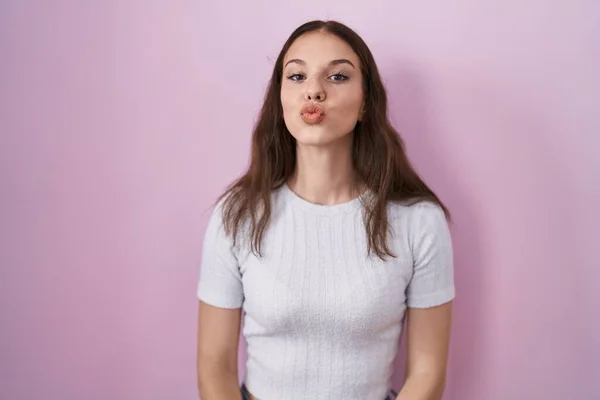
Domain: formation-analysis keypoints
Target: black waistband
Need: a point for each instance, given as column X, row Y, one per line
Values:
column 246, row 394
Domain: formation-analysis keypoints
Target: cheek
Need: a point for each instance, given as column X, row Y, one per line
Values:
column 289, row 107
column 351, row 105
column 287, row 104
column 289, row 94
column 347, row 96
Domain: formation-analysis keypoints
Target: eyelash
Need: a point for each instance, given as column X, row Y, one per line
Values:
column 339, row 74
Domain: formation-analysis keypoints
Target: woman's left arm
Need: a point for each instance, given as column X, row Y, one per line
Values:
column 429, row 300
column 428, row 337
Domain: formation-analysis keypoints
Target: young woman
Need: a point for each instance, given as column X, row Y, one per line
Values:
column 327, row 244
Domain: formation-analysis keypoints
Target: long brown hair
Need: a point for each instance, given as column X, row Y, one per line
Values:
column 378, row 155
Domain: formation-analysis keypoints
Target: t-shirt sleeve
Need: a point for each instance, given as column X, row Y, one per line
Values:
column 220, row 282
column 432, row 283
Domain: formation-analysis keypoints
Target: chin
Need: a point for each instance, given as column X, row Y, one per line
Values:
column 318, row 136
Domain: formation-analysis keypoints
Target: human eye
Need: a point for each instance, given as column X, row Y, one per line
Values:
column 295, row 77
column 339, row 77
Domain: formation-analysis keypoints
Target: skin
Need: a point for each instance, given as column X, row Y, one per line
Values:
column 321, row 69
column 218, row 338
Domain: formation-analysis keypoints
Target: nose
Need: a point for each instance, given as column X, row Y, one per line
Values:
column 314, row 91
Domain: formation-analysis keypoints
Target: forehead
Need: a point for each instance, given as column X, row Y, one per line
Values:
column 320, row 48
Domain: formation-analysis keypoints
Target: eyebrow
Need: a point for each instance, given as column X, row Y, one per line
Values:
column 333, row 62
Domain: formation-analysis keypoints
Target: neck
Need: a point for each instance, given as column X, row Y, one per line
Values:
column 323, row 174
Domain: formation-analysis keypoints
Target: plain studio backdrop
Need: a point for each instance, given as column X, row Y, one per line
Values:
column 121, row 121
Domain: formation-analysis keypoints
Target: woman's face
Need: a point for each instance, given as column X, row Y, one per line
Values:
column 321, row 89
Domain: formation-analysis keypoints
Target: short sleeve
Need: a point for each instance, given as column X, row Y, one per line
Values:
column 432, row 283
column 220, row 282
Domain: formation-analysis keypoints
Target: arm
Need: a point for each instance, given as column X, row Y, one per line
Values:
column 221, row 295
column 428, row 336
column 218, row 338
column 430, row 295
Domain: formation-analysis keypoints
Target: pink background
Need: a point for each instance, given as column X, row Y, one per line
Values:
column 121, row 121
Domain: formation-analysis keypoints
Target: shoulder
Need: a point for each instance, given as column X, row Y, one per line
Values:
column 222, row 213
column 423, row 213
column 215, row 215
column 221, row 222
column 215, row 228
column 418, row 222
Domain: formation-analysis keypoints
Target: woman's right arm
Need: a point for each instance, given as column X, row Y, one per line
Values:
column 221, row 296
column 218, row 339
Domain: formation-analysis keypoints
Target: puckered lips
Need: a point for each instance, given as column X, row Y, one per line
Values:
column 312, row 114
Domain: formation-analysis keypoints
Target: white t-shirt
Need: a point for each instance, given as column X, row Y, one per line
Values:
column 323, row 319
